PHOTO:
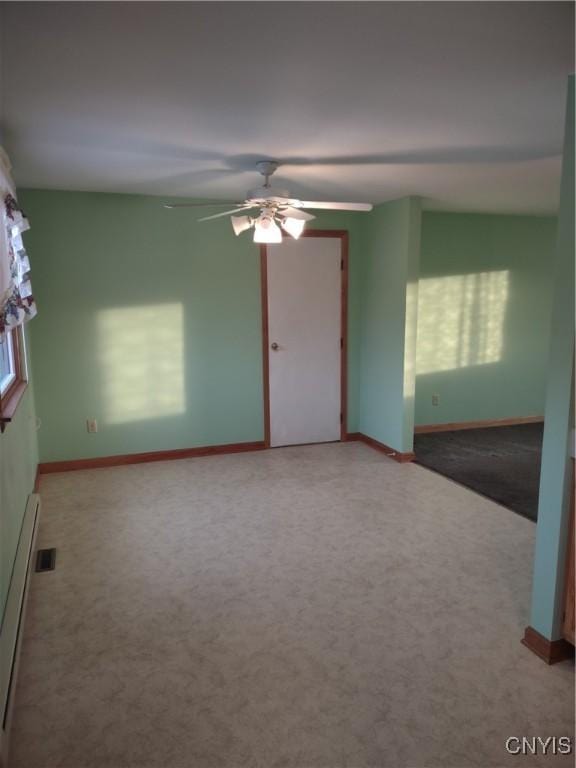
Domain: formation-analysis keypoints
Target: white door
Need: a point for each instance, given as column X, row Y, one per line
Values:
column 304, row 315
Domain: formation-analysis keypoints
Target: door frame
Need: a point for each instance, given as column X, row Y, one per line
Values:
column 336, row 234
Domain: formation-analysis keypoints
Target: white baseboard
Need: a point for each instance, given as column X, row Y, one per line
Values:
column 13, row 621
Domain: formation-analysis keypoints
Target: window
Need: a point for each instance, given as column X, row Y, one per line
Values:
column 17, row 302
column 12, row 373
column 7, row 372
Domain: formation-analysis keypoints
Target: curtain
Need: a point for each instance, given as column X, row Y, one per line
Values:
column 16, row 301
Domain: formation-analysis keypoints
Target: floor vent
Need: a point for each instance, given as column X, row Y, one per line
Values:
column 45, row 560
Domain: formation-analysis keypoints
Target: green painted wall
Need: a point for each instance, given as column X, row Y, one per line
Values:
column 411, row 287
column 18, row 458
column 552, row 529
column 18, row 462
column 149, row 322
column 485, row 305
column 389, row 291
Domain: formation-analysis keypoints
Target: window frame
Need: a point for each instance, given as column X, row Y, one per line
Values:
column 13, row 393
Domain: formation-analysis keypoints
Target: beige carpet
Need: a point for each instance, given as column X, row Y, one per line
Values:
column 309, row 607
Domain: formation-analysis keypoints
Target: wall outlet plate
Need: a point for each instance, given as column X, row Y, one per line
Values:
column 435, row 399
column 91, row 425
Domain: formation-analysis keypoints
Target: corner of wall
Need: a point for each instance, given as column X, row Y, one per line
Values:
column 552, row 527
column 388, row 323
column 411, row 321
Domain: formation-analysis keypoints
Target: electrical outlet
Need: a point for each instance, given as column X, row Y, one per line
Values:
column 91, row 425
column 435, row 399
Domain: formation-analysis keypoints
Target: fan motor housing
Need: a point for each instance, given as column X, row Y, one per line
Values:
column 267, row 167
column 267, row 194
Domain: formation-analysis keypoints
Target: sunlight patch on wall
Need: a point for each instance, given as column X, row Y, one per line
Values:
column 410, row 339
column 461, row 320
column 141, row 356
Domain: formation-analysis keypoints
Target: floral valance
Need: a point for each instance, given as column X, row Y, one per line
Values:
column 16, row 300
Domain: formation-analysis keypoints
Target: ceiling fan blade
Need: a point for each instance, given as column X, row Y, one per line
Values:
column 227, row 213
column 337, row 206
column 296, row 213
column 199, row 205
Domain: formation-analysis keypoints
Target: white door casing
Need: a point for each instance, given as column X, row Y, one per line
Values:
column 304, row 286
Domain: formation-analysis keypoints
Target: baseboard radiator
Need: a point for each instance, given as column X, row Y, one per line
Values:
column 13, row 620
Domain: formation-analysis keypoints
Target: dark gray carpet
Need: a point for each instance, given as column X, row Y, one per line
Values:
column 502, row 463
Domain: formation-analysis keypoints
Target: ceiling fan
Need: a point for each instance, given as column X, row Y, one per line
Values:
column 278, row 211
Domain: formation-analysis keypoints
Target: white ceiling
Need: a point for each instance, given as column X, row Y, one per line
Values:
column 459, row 102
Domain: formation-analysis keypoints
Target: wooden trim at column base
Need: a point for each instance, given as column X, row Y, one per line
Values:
column 454, row 426
column 37, row 480
column 141, row 458
column 550, row 651
column 392, row 453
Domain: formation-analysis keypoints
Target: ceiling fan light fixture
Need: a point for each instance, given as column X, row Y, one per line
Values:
column 278, row 211
column 240, row 224
column 266, row 230
column 294, row 227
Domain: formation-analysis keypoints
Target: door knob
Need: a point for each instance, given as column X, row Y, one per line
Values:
column 274, row 346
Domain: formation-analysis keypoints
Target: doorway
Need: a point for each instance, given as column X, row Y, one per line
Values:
column 304, row 333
